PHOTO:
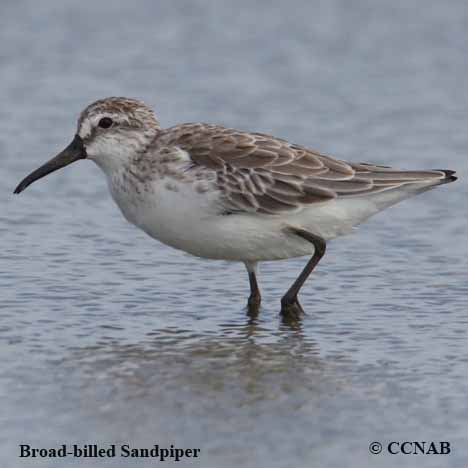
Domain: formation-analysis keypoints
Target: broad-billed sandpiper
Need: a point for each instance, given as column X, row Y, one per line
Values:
column 228, row 194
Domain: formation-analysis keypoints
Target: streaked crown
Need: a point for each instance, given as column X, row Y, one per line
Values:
column 126, row 112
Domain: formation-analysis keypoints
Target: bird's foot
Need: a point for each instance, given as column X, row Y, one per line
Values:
column 291, row 309
column 253, row 305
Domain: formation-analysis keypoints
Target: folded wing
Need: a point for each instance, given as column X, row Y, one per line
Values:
column 260, row 173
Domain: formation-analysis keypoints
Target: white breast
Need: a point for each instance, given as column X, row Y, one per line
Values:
column 176, row 213
column 182, row 216
column 187, row 216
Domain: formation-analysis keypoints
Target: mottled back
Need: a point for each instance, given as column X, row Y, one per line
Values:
column 260, row 173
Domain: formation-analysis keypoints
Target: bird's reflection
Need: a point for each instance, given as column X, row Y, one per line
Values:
column 249, row 357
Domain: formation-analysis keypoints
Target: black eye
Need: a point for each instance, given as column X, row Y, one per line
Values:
column 105, row 122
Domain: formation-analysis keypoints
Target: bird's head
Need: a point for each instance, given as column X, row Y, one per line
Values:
column 110, row 131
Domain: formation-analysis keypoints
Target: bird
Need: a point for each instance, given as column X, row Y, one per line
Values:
column 226, row 194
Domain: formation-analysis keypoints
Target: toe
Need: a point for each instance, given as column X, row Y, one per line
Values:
column 253, row 305
column 292, row 310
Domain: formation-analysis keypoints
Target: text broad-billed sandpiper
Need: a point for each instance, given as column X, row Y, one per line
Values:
column 227, row 194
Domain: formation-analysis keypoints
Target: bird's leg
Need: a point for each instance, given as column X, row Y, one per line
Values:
column 290, row 306
column 253, row 304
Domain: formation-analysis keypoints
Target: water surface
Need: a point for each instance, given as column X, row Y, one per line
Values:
column 107, row 336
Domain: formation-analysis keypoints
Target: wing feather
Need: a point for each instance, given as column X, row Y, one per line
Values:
column 260, row 173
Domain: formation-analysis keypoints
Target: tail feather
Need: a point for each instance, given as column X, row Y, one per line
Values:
column 371, row 179
column 382, row 187
column 386, row 177
column 449, row 175
column 408, row 188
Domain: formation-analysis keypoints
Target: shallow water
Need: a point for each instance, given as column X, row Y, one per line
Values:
column 108, row 336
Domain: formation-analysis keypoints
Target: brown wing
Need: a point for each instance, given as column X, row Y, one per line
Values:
column 261, row 173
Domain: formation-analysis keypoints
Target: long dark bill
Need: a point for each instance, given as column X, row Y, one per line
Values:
column 73, row 152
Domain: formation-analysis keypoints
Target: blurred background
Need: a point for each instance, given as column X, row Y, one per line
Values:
column 107, row 336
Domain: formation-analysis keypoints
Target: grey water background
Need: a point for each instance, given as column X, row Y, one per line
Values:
column 107, row 336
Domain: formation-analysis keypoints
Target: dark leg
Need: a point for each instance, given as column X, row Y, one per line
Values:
column 289, row 303
column 253, row 304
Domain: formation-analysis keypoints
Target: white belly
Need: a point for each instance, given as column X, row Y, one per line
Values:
column 180, row 216
column 187, row 220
